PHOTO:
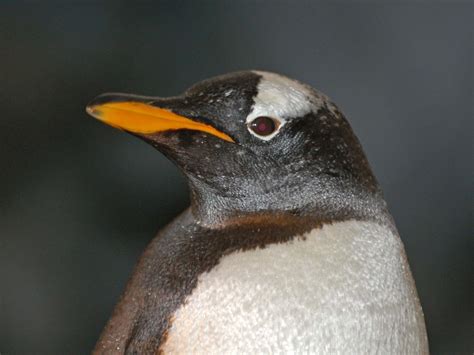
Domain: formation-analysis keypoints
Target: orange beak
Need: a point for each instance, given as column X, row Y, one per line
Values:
column 139, row 117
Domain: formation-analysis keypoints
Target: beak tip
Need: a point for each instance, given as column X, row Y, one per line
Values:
column 93, row 107
column 93, row 110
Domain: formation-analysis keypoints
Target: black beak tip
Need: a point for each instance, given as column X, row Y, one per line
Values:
column 106, row 98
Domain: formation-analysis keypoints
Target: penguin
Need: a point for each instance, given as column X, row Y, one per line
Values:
column 287, row 245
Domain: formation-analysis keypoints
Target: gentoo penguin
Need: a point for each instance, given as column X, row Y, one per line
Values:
column 287, row 247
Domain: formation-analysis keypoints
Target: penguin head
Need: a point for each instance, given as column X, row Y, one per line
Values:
column 248, row 141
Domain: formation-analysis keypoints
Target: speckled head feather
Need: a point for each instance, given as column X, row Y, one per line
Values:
column 313, row 158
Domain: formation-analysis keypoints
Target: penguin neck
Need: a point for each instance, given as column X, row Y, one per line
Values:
column 324, row 199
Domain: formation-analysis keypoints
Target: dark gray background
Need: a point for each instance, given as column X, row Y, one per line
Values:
column 80, row 200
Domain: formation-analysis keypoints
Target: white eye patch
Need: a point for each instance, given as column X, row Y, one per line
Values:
column 279, row 98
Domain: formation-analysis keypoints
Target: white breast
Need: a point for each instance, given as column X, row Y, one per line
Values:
column 344, row 289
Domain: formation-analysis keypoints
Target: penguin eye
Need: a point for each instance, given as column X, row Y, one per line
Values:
column 263, row 126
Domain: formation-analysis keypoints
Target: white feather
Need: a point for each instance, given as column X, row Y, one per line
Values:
column 344, row 289
column 282, row 98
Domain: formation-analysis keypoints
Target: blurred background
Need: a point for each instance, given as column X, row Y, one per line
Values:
column 80, row 200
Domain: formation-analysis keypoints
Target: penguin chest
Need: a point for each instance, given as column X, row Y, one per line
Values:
column 343, row 288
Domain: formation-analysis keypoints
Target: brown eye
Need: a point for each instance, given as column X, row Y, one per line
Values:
column 263, row 126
